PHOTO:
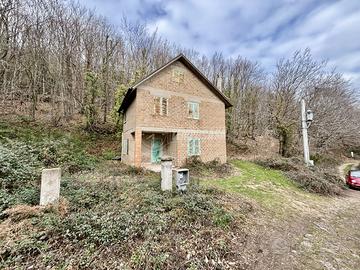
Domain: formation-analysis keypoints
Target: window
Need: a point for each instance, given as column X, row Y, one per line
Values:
column 193, row 147
column 355, row 174
column 160, row 106
column 193, row 110
column 125, row 147
column 178, row 76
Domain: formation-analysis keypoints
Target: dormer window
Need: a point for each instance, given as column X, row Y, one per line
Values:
column 161, row 106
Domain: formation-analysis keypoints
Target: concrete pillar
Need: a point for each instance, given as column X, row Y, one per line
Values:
column 166, row 174
column 50, row 186
column 137, row 148
column 180, row 149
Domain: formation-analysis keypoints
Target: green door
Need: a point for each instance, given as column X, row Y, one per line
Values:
column 156, row 151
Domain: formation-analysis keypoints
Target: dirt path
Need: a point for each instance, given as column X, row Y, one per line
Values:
column 323, row 235
column 332, row 240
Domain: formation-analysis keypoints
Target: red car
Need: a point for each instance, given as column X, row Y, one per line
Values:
column 353, row 178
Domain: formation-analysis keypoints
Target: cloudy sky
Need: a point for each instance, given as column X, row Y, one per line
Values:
column 261, row 30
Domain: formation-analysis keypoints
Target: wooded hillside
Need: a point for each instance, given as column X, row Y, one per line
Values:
column 59, row 60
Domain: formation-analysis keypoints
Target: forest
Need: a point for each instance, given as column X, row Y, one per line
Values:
column 61, row 62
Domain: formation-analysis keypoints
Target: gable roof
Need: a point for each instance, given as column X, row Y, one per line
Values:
column 131, row 92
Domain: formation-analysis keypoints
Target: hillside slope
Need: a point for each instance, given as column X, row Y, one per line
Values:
column 115, row 217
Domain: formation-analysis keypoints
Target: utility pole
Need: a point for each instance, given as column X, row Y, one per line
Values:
column 307, row 117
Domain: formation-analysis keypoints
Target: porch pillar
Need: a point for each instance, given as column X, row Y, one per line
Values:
column 138, row 153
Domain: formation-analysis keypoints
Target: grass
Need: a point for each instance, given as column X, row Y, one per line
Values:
column 266, row 186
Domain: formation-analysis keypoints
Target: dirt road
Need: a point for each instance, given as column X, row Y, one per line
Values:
column 323, row 234
column 332, row 241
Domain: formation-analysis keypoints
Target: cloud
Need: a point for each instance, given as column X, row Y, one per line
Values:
column 263, row 31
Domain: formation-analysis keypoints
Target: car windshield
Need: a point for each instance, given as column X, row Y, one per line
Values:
column 355, row 174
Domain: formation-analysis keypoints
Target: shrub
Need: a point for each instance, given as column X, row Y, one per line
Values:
column 6, row 200
column 28, row 195
column 18, row 165
column 282, row 164
column 201, row 168
column 317, row 182
column 65, row 153
column 109, row 154
column 313, row 179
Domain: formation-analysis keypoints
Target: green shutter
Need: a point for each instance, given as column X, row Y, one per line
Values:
column 190, row 147
column 196, row 110
column 197, row 147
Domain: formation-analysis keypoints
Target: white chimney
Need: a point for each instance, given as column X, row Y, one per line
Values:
column 219, row 83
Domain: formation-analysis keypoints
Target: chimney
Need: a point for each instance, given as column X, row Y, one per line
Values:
column 219, row 83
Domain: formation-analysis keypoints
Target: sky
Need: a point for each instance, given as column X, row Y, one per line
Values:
column 260, row 30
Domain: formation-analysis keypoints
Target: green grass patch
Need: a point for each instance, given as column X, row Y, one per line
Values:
column 258, row 183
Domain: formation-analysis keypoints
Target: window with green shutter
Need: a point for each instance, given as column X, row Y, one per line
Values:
column 193, row 147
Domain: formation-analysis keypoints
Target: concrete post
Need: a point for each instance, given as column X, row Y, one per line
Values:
column 50, row 186
column 305, row 133
column 166, row 174
column 137, row 148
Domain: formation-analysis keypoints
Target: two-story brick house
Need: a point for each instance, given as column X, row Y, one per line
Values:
column 175, row 111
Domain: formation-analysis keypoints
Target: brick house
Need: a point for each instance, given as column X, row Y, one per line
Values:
column 175, row 111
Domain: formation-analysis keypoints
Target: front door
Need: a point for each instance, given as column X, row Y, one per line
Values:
column 156, row 149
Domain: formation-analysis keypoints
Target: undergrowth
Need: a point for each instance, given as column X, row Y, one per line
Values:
column 134, row 221
column 315, row 179
column 25, row 150
column 212, row 168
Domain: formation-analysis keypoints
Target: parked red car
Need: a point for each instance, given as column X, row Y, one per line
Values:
column 353, row 178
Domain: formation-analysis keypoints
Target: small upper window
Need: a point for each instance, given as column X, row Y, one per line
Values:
column 193, row 110
column 160, row 106
column 178, row 76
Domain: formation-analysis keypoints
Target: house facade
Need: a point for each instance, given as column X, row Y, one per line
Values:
column 175, row 111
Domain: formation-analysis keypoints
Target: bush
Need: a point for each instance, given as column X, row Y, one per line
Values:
column 6, row 200
column 201, row 168
column 324, row 160
column 321, row 183
column 313, row 179
column 18, row 165
column 65, row 153
column 28, row 195
column 282, row 164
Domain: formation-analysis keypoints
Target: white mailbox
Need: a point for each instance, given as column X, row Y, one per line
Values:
column 182, row 179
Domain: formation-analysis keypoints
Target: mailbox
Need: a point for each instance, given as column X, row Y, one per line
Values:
column 181, row 179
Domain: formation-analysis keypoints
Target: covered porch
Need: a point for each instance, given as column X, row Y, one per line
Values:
column 151, row 146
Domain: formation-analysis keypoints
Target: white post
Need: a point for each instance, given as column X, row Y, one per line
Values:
column 219, row 82
column 166, row 174
column 50, row 186
column 305, row 133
